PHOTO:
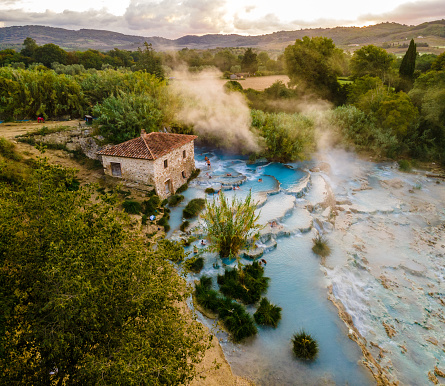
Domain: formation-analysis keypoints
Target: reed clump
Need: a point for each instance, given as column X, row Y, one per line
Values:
column 304, row 346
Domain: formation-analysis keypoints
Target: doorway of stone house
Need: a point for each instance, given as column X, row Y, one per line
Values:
column 168, row 187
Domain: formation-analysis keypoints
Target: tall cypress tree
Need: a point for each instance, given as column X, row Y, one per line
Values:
column 409, row 61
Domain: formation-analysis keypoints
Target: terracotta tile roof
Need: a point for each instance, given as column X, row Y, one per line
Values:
column 148, row 146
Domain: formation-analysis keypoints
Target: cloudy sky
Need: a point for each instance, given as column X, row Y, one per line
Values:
column 176, row 18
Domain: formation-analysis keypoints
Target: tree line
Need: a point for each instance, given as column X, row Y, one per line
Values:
column 392, row 106
column 227, row 60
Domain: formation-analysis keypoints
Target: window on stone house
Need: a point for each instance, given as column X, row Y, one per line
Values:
column 165, row 163
column 184, row 154
column 183, row 174
column 116, row 169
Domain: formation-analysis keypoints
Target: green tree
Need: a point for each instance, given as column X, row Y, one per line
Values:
column 91, row 59
column 373, row 61
column 83, row 300
column 30, row 47
column 122, row 117
column 408, row 64
column 224, row 60
column 288, row 137
column 439, row 63
column 249, row 62
column 50, row 53
column 424, row 62
column 230, row 224
column 312, row 65
column 149, row 61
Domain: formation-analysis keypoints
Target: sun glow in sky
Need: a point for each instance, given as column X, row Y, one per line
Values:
column 175, row 18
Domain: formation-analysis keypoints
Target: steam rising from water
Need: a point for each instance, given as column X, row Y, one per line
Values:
column 223, row 118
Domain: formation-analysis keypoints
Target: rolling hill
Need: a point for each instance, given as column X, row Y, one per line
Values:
column 348, row 38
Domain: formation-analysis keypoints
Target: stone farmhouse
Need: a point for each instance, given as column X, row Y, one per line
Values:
column 163, row 160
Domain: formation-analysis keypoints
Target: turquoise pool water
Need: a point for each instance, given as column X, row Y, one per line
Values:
column 298, row 284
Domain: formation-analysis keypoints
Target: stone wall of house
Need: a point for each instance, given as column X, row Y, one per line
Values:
column 154, row 173
column 176, row 166
column 132, row 169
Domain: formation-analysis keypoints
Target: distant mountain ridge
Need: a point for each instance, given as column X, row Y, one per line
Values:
column 432, row 33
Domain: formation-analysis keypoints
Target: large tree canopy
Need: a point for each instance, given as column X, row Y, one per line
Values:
column 83, row 300
column 373, row 61
column 312, row 65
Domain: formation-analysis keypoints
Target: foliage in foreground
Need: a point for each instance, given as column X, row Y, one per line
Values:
column 82, row 294
column 246, row 285
column 229, row 225
column 234, row 316
column 320, row 247
column 267, row 313
column 304, row 346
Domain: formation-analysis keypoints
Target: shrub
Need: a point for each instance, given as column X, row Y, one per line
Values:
column 209, row 190
column 144, row 219
column 247, row 287
column 7, row 150
column 182, row 188
column 166, row 228
column 175, row 199
column 267, row 313
column 164, row 202
column 194, row 207
column 304, row 346
column 194, row 264
column 320, row 246
column 184, row 225
column 229, row 224
column 163, row 221
column 132, row 207
column 404, row 165
column 193, row 175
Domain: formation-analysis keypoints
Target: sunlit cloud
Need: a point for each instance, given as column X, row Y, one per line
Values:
column 411, row 13
column 176, row 18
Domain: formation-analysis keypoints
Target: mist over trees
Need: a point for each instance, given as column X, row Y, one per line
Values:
column 125, row 91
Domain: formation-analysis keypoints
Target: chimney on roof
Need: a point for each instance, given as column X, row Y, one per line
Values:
column 143, row 132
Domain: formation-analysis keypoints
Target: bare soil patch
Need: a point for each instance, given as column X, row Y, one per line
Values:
column 260, row 83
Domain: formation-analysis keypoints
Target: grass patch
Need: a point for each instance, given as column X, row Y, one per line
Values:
column 320, row 247
column 267, row 313
column 304, row 346
column 247, row 286
column 194, row 207
column 209, row 191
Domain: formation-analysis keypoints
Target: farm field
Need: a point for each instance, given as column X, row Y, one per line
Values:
column 260, row 83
